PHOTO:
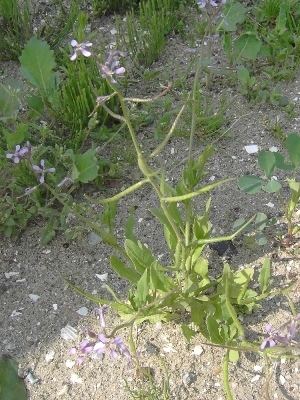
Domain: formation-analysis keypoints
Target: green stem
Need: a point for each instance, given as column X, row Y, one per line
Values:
column 227, row 387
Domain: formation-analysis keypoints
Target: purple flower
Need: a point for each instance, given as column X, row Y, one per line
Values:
column 112, row 65
column 285, row 335
column 42, row 171
column 82, row 48
column 99, row 345
column 20, row 152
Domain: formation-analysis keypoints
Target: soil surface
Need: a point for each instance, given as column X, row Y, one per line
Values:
column 36, row 303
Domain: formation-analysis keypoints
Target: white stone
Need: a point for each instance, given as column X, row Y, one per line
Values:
column 68, row 333
column 282, row 380
column 255, row 378
column 55, row 307
column 70, row 363
column 212, row 178
column 102, row 277
column 257, row 368
column 33, row 297
column 83, row 311
column 74, row 378
column 10, row 274
column 113, row 31
column 169, row 348
column 271, row 205
column 50, row 356
column 273, row 149
column 198, row 350
column 251, row 148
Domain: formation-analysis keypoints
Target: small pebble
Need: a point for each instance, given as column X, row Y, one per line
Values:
column 50, row 356
column 34, row 297
column 198, row 350
column 251, row 148
column 255, row 378
column 83, row 311
column 75, row 379
column 68, row 333
column 189, row 378
column 282, row 380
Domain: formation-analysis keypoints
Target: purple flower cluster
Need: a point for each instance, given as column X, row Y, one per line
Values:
column 22, row 152
column 213, row 3
column 19, row 153
column 283, row 336
column 112, row 65
column 99, row 345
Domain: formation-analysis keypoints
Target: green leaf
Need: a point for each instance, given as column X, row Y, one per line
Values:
column 17, row 137
column 9, row 102
column 264, row 275
column 294, row 198
column 233, row 356
column 140, row 256
column 282, row 164
column 201, row 267
column 11, row 386
column 213, row 330
column 246, row 46
column 243, row 75
column 250, row 184
column 158, row 281
column 267, row 162
column 36, row 105
column 143, row 286
column 85, row 166
column 272, row 186
column 234, row 13
column 125, row 272
column 37, row 64
column 293, row 147
column 261, row 221
column 188, row 332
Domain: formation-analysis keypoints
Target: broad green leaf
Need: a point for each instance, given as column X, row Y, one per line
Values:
column 267, row 162
column 293, row 147
column 261, row 221
column 143, row 286
column 37, row 64
column 11, row 386
column 233, row 356
column 264, row 275
column 213, row 330
column 9, row 102
column 158, row 281
column 246, row 46
column 85, row 166
column 188, row 332
column 261, row 239
column 281, row 163
column 36, row 105
column 129, row 228
column 17, row 137
column 140, row 256
column 250, row 184
column 201, row 267
column 125, row 272
column 272, row 186
column 243, row 75
column 234, row 13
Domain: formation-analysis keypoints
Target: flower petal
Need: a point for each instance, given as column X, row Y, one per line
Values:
column 86, row 52
column 74, row 43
